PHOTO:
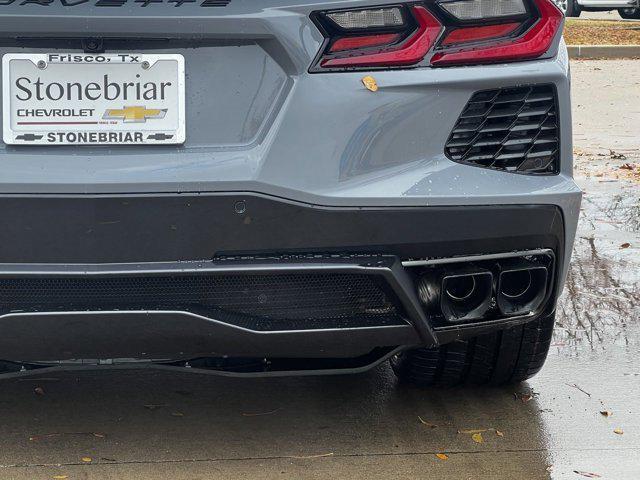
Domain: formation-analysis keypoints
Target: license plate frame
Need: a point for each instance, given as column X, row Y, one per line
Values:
column 151, row 111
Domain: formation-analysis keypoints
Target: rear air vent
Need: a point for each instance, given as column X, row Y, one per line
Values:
column 513, row 129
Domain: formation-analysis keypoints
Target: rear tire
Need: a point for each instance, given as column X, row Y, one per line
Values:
column 506, row 356
column 629, row 13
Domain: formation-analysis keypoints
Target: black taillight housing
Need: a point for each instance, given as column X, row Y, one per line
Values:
column 436, row 33
column 403, row 40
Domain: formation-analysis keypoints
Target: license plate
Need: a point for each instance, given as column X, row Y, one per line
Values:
column 81, row 99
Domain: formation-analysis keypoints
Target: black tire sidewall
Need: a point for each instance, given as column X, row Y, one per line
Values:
column 505, row 356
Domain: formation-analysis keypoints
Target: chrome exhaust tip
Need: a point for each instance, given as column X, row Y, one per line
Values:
column 495, row 289
column 521, row 290
column 466, row 296
column 462, row 296
column 460, row 288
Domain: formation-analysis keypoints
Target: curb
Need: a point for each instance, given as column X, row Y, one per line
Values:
column 604, row 51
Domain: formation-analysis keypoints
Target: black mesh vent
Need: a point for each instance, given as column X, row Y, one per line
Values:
column 260, row 302
column 513, row 129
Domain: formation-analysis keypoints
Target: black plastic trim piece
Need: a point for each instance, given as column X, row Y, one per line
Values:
column 174, row 336
column 98, row 229
column 296, row 367
column 171, row 336
column 180, row 334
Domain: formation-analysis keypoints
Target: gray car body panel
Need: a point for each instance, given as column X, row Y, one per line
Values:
column 321, row 139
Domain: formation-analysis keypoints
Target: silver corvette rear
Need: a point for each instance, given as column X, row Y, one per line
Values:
column 283, row 187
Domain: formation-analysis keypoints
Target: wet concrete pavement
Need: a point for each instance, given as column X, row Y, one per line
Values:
column 151, row 425
column 606, row 107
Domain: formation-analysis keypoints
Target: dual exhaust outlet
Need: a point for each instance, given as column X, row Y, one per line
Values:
column 470, row 294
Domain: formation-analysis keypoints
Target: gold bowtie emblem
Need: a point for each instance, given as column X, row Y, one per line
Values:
column 134, row 114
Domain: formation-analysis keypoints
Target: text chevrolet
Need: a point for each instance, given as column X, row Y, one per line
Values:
column 278, row 187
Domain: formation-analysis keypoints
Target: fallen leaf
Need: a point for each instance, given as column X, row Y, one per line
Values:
column 370, row 83
column 526, row 397
column 442, row 456
column 477, row 437
column 618, row 431
column 625, row 245
column 60, row 477
column 606, row 413
column 587, row 474
column 430, row 425
column 87, row 459
column 481, row 430
column 177, row 414
column 39, row 391
column 499, row 433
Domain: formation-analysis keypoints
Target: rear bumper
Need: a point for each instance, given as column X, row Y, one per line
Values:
column 106, row 236
column 194, row 227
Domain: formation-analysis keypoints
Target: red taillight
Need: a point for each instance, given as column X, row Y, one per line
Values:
column 408, row 52
column 477, row 34
column 353, row 43
column 444, row 33
column 532, row 44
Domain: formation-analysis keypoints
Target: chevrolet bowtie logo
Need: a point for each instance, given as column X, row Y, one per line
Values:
column 134, row 114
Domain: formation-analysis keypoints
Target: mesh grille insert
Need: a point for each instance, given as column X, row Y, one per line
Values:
column 513, row 129
column 293, row 301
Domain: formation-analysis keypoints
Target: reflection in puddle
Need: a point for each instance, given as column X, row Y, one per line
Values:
column 600, row 303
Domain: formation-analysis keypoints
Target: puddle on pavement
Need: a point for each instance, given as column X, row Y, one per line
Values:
column 600, row 302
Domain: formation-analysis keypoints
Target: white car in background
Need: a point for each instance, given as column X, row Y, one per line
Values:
column 629, row 9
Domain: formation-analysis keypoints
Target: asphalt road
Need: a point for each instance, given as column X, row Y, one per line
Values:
column 158, row 425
